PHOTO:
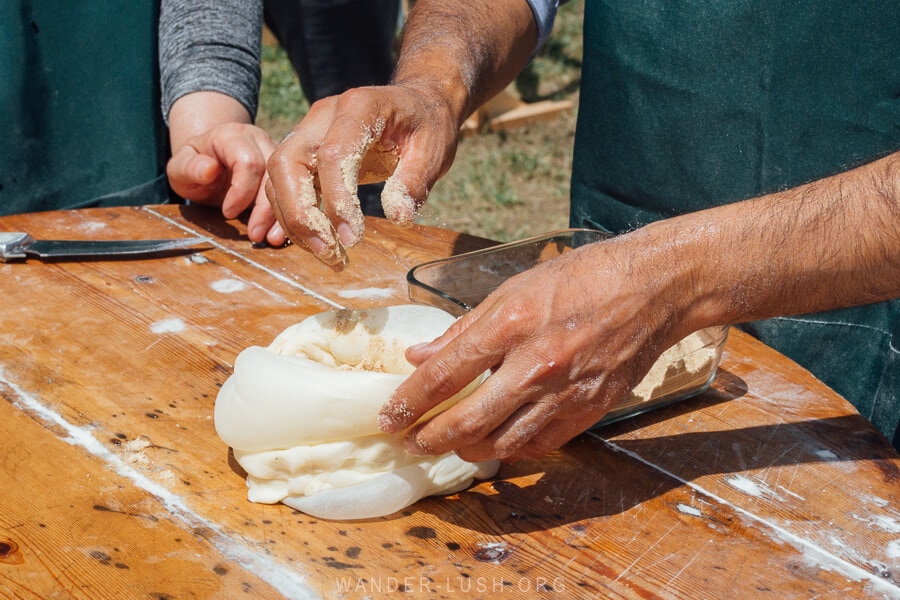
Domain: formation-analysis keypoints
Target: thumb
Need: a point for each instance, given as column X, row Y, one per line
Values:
column 205, row 170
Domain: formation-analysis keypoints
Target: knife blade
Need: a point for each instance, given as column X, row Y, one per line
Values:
column 18, row 245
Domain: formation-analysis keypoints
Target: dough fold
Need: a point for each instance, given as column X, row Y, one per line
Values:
column 301, row 416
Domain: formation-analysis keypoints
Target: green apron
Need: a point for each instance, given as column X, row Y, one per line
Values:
column 79, row 100
column 686, row 105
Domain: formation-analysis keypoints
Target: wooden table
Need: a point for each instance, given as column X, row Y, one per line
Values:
column 113, row 483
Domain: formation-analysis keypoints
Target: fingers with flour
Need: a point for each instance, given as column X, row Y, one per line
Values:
column 292, row 189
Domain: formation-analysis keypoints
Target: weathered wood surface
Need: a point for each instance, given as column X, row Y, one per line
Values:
column 114, row 485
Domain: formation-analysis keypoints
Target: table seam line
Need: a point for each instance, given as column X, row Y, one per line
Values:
column 261, row 267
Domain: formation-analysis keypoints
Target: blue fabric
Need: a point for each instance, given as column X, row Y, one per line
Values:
column 544, row 12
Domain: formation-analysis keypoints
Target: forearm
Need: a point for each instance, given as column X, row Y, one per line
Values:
column 467, row 50
column 211, row 45
column 829, row 244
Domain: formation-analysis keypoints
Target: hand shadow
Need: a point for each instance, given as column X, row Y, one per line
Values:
column 595, row 475
column 210, row 219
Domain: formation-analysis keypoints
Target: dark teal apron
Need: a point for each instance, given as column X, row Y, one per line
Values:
column 79, row 102
column 686, row 105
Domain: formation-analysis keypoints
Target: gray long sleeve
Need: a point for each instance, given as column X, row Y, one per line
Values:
column 210, row 45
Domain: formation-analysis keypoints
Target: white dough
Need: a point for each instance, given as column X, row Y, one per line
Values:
column 301, row 416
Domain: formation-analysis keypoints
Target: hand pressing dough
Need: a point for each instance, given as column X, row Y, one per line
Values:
column 301, row 416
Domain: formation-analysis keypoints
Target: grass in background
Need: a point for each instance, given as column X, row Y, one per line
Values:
column 504, row 185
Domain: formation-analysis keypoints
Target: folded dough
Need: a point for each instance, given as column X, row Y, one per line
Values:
column 301, row 416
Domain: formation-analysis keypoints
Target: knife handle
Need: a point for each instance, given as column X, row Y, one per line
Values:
column 13, row 245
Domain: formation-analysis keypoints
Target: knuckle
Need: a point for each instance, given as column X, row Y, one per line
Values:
column 278, row 161
column 353, row 97
column 440, row 381
column 252, row 161
column 507, row 448
column 328, row 152
column 467, row 430
column 514, row 321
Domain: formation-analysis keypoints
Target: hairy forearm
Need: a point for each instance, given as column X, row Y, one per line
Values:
column 829, row 244
column 468, row 50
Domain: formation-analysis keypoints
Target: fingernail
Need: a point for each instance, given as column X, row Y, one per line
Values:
column 316, row 244
column 346, row 235
column 418, row 347
column 276, row 235
column 413, row 447
column 257, row 234
column 386, row 424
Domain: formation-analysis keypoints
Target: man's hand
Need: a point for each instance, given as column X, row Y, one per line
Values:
column 565, row 342
column 404, row 136
column 568, row 339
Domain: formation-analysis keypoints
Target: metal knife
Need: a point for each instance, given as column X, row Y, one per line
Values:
column 18, row 245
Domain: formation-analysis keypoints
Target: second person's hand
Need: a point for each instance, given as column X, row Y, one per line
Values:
column 226, row 166
column 219, row 159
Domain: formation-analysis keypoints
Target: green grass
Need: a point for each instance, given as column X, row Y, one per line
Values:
column 281, row 102
column 503, row 185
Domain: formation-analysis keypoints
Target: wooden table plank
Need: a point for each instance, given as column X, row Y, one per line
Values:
column 774, row 445
column 747, row 491
column 78, row 525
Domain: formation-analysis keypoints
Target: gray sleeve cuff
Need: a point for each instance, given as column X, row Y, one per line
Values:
column 210, row 45
column 544, row 12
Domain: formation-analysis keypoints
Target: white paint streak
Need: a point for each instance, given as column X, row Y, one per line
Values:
column 92, row 226
column 745, row 485
column 824, row 558
column 795, row 495
column 228, row 286
column 689, row 510
column 893, row 549
column 285, row 580
column 826, row 454
column 370, row 293
column 881, row 522
column 173, row 325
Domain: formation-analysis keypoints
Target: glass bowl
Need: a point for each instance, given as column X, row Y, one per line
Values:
column 459, row 283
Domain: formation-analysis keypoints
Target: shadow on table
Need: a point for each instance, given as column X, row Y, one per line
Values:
column 210, row 218
column 596, row 476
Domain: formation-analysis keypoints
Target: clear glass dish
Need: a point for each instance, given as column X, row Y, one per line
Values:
column 459, row 283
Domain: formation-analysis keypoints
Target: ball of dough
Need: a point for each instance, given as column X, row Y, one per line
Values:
column 301, row 416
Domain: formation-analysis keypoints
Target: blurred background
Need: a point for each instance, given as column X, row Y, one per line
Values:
column 510, row 179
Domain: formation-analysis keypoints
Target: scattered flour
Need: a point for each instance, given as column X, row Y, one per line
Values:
column 173, row 325
column 228, row 286
column 689, row 510
column 371, row 293
column 826, row 454
column 893, row 549
column 745, row 485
